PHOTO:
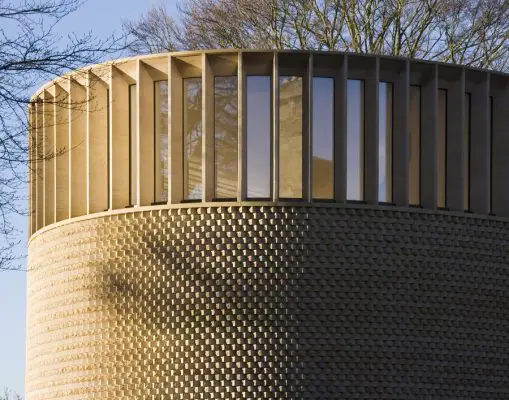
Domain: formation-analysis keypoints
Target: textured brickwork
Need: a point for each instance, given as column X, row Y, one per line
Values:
column 266, row 302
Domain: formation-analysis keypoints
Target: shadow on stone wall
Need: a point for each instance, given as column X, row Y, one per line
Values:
column 317, row 303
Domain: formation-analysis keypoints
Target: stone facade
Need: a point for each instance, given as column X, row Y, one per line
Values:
column 269, row 301
column 226, row 224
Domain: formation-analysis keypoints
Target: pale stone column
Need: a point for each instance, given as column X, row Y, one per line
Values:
column 307, row 130
column 208, row 178
column 400, row 173
column 62, row 147
column 340, row 127
column 371, row 119
column 455, row 139
column 275, row 128
column 39, row 163
column 479, row 87
column 145, row 138
column 32, row 165
column 500, row 146
column 429, row 135
column 48, row 125
column 175, row 132
column 241, row 143
column 78, row 154
column 119, row 138
column 97, row 144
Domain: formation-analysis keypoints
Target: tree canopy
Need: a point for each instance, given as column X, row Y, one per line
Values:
column 31, row 52
column 469, row 32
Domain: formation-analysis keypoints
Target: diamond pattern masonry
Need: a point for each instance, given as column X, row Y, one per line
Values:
column 269, row 302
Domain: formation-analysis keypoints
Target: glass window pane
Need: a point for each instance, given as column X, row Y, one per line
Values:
column 466, row 154
column 161, row 141
column 385, row 142
column 490, row 116
column 192, row 138
column 323, row 138
column 133, row 109
column 355, row 140
column 258, row 136
column 290, row 137
column 414, row 145
column 225, row 136
column 442, row 139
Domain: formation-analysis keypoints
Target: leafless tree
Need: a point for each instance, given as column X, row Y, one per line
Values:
column 470, row 32
column 10, row 395
column 156, row 32
column 31, row 52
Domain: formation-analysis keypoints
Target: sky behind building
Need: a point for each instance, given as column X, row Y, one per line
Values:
column 103, row 18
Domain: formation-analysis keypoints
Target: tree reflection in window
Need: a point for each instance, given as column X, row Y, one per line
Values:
column 192, row 138
column 161, row 141
column 225, row 136
column 466, row 154
column 355, row 140
column 385, row 142
column 290, row 137
column 442, row 146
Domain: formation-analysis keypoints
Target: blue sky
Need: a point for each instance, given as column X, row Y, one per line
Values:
column 102, row 17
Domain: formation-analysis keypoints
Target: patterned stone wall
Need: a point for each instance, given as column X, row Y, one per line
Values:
column 270, row 302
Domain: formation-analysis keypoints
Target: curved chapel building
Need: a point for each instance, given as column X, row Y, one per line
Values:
column 269, row 225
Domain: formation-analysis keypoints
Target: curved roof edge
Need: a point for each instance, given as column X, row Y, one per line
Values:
column 187, row 53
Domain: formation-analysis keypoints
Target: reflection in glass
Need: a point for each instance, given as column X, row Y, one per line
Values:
column 355, row 140
column 225, row 136
column 323, row 138
column 192, row 138
column 258, row 136
column 490, row 116
column 466, row 154
column 414, row 145
column 385, row 142
column 132, row 144
column 161, row 141
column 442, row 138
column 290, row 137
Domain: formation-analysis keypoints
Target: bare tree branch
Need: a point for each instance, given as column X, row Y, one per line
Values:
column 471, row 32
column 32, row 52
column 10, row 395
